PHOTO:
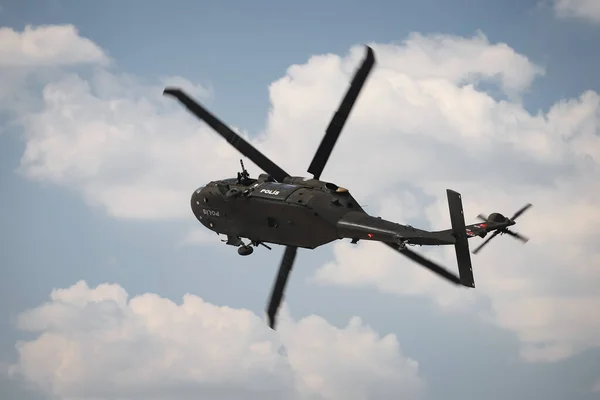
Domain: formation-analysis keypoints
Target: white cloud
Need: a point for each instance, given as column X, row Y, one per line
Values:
column 112, row 139
column 30, row 58
column 461, row 60
column 422, row 120
column 585, row 9
column 97, row 343
column 124, row 143
column 47, row 45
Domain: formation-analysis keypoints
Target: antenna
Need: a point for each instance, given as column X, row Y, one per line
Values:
column 244, row 174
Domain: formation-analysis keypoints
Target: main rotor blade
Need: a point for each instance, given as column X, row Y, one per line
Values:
column 341, row 115
column 521, row 211
column 279, row 286
column 233, row 138
column 444, row 273
column 486, row 242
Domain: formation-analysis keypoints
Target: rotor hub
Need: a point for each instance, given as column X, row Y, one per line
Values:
column 497, row 217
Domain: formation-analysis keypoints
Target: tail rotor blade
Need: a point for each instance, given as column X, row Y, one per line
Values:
column 501, row 227
column 278, row 289
column 341, row 115
column 516, row 235
column 430, row 265
column 233, row 138
column 482, row 217
column 521, row 211
column 496, row 233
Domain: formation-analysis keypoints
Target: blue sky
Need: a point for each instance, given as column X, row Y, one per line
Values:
column 55, row 234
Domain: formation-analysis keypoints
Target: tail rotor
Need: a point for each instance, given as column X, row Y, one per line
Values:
column 504, row 223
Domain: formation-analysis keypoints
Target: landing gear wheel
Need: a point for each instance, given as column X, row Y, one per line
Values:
column 245, row 250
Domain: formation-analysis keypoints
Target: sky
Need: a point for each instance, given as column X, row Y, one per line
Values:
column 110, row 289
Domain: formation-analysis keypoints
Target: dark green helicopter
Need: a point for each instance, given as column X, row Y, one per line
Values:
column 299, row 212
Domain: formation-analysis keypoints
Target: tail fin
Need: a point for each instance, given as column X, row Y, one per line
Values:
column 457, row 219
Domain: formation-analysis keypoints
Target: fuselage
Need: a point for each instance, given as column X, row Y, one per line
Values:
column 300, row 212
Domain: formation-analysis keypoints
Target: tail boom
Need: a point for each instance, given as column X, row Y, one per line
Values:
column 359, row 225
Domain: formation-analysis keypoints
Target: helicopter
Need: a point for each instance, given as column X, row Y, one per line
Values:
column 306, row 212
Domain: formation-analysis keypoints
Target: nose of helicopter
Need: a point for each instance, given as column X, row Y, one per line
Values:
column 197, row 197
column 196, row 200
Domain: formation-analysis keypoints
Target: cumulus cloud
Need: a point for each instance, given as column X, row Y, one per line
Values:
column 584, row 9
column 125, row 142
column 423, row 123
column 47, row 45
column 97, row 343
column 461, row 60
column 117, row 141
column 30, row 57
